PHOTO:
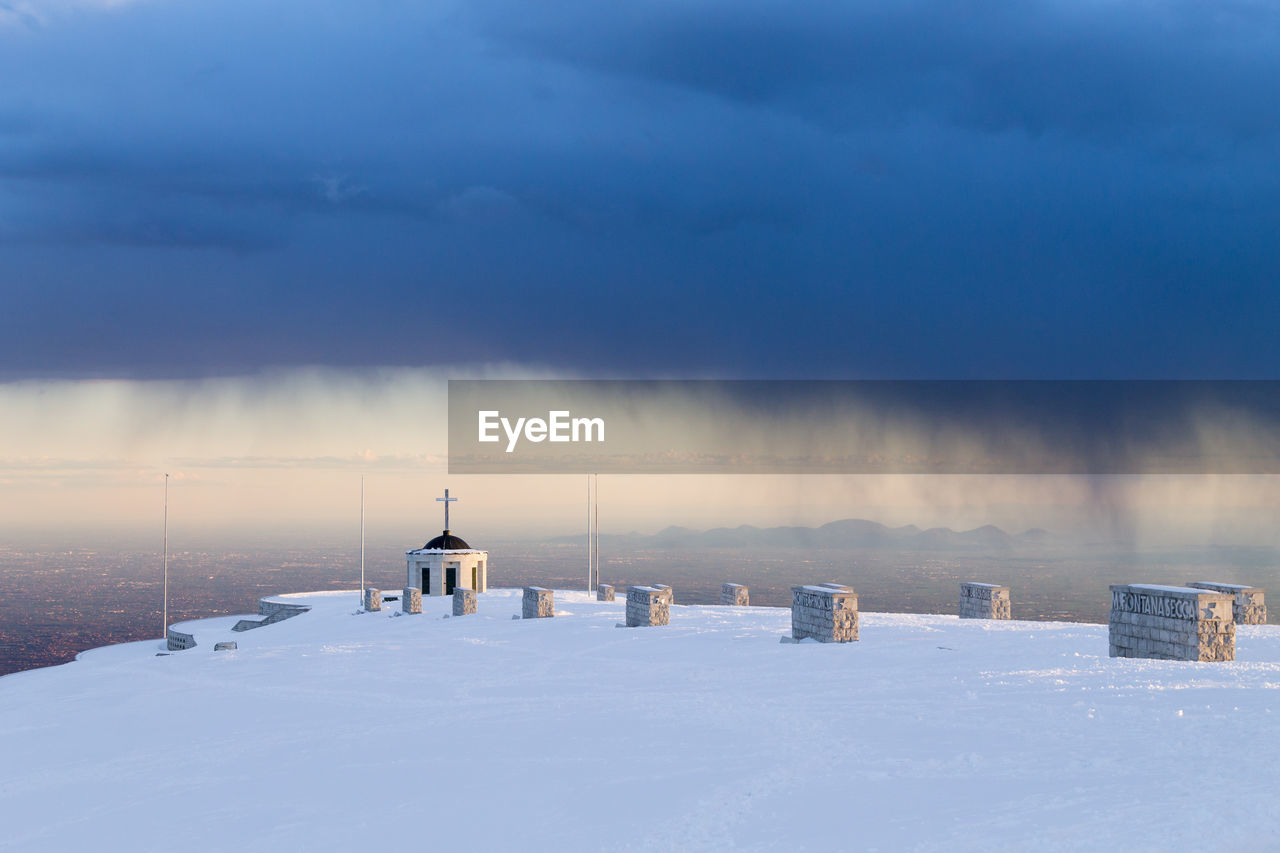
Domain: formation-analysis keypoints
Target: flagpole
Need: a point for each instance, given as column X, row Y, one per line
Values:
column 588, row 533
column 164, row 633
column 361, row 592
column 596, row 492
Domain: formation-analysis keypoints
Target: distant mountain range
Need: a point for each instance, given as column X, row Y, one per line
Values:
column 848, row 533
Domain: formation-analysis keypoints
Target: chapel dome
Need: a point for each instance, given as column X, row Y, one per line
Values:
column 447, row 542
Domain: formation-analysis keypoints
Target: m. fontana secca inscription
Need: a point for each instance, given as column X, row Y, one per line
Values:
column 1154, row 605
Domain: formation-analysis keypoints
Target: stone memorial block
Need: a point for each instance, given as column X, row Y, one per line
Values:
column 827, row 613
column 985, row 601
column 1171, row 623
column 648, row 606
column 1250, row 607
column 372, row 599
column 735, row 595
column 411, row 600
column 538, row 603
column 464, row 601
column 225, row 646
column 604, row 592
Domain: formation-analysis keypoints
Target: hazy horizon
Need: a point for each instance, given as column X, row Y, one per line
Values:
column 283, row 454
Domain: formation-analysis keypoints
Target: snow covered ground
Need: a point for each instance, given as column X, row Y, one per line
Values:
column 338, row 731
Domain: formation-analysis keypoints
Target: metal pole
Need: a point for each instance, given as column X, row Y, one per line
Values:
column 597, row 528
column 164, row 632
column 361, row 591
column 588, row 533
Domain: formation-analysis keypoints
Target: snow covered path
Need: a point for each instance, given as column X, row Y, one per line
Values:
column 334, row 731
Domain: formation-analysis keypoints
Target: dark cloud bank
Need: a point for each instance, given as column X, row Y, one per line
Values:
column 709, row 188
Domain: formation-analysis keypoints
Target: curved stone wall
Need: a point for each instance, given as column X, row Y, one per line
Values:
column 176, row 641
column 271, row 612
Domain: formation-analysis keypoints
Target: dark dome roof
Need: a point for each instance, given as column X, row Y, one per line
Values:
column 447, row 542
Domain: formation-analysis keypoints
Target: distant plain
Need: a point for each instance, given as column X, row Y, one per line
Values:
column 60, row 601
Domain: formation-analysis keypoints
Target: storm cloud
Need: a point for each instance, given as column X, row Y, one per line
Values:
column 864, row 189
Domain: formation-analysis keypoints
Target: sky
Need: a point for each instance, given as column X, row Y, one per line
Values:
column 862, row 189
column 212, row 198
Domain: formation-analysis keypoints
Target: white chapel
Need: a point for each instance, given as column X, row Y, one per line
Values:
column 447, row 562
